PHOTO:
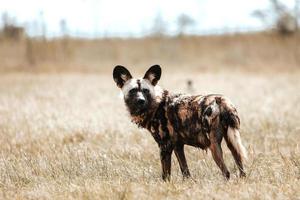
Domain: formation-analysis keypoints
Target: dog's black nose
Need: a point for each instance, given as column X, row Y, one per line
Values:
column 141, row 102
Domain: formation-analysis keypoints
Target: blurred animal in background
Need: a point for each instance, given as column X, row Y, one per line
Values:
column 175, row 120
column 190, row 86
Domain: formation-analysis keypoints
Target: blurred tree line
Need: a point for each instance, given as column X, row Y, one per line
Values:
column 40, row 48
column 285, row 20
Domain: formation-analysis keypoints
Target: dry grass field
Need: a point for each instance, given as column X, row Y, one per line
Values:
column 67, row 135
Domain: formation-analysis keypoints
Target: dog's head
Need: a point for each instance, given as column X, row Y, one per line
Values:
column 139, row 94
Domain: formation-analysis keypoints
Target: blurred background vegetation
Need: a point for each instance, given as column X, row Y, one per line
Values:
column 276, row 46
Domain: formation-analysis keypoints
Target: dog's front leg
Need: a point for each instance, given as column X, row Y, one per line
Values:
column 165, row 157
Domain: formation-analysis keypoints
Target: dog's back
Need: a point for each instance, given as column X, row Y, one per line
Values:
column 190, row 119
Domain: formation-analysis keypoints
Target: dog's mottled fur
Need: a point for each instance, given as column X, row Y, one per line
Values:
column 176, row 119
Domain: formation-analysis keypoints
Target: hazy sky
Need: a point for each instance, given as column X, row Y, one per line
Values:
column 132, row 17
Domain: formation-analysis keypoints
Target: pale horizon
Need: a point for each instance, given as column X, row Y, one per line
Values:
column 89, row 18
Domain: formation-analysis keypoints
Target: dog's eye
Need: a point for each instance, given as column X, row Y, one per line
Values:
column 134, row 90
column 146, row 91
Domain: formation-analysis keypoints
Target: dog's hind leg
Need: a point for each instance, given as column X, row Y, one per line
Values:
column 216, row 151
column 179, row 152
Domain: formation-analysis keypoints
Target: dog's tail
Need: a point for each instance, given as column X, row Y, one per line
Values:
column 234, row 138
column 229, row 118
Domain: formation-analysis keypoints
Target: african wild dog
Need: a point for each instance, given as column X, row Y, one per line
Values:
column 176, row 119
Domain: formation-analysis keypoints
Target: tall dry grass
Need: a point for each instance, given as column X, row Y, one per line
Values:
column 68, row 136
column 248, row 52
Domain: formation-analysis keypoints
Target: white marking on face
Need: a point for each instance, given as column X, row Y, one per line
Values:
column 145, row 84
column 155, row 91
column 140, row 96
column 130, row 84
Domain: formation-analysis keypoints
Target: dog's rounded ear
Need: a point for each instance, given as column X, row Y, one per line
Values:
column 121, row 75
column 153, row 74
